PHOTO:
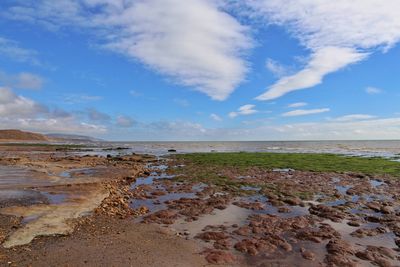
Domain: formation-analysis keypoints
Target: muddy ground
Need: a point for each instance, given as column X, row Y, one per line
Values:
column 61, row 208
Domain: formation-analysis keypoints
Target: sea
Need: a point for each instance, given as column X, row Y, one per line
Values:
column 369, row 148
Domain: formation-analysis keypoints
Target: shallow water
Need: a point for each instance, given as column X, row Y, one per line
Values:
column 356, row 148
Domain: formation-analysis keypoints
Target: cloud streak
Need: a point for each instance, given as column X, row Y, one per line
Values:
column 12, row 50
column 303, row 112
column 243, row 110
column 23, row 80
column 324, row 61
column 350, row 30
column 193, row 42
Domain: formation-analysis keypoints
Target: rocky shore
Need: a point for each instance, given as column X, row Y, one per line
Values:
column 74, row 209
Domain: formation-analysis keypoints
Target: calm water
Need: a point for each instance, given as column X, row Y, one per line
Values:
column 361, row 148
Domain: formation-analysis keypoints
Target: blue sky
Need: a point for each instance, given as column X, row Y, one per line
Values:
column 201, row 69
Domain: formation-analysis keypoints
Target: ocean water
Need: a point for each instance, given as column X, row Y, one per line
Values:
column 390, row 149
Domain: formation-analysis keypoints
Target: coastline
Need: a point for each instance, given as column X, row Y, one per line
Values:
column 154, row 211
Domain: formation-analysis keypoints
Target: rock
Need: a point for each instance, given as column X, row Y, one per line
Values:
column 207, row 236
column 293, row 201
column 220, row 257
column 223, row 244
column 243, row 231
column 247, row 246
column 387, row 210
column 380, row 256
column 363, row 232
column 327, row 212
column 249, row 205
column 373, row 206
column 397, row 241
column 354, row 223
column 339, row 247
column 162, row 217
column 283, row 210
column 306, row 254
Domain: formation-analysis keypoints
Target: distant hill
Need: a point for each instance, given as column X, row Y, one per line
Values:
column 18, row 135
column 72, row 137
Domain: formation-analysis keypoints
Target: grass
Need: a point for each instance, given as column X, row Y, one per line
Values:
column 302, row 162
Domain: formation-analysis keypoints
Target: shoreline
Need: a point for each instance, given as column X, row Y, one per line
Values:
column 188, row 200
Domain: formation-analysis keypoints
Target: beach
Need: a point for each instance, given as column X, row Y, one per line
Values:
column 102, row 205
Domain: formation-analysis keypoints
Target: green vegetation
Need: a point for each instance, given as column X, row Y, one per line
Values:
column 222, row 169
column 303, row 162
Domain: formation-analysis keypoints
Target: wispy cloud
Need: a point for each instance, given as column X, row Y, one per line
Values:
column 195, row 42
column 354, row 117
column 12, row 50
column 348, row 40
column 19, row 112
column 373, row 90
column 125, row 121
column 80, row 98
column 97, row 116
column 324, row 61
column 297, row 105
column 302, row 112
column 215, row 117
column 23, row 80
column 182, row 102
column 243, row 110
column 276, row 68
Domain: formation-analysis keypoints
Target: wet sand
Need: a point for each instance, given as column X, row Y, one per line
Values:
column 64, row 208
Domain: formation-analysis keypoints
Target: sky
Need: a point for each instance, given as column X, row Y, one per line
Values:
column 201, row 70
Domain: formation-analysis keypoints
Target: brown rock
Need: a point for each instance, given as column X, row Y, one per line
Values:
column 220, row 257
column 308, row 255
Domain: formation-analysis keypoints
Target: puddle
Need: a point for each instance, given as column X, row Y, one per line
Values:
column 381, row 240
column 79, row 172
column 229, row 216
column 283, row 170
column 342, row 189
column 250, row 188
column 9, row 197
column 376, row 183
column 14, row 177
column 157, row 204
column 55, row 198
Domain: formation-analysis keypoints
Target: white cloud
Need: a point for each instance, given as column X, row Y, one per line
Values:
column 275, row 68
column 324, row 61
column 182, row 102
column 243, row 110
column 354, row 117
column 97, row 116
column 125, row 121
column 19, row 112
column 297, row 105
column 302, row 112
column 23, row 80
column 80, row 98
column 371, row 129
column 52, row 125
column 193, row 41
column 12, row 50
column 215, row 117
column 349, row 27
column 14, row 106
column 373, row 90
